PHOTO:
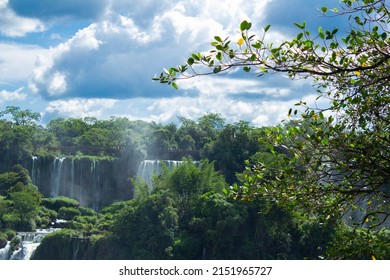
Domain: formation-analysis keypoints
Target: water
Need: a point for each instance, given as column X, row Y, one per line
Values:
column 29, row 243
column 56, row 176
column 5, row 252
column 148, row 168
column 34, row 169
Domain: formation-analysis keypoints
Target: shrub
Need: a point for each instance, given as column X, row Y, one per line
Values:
column 10, row 234
column 87, row 211
column 68, row 213
column 58, row 202
column 15, row 242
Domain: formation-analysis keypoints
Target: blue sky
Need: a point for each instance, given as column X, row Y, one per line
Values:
column 72, row 58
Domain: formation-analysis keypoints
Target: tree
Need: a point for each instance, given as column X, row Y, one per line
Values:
column 338, row 158
column 21, row 117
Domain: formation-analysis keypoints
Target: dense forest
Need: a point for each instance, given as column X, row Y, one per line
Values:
column 196, row 210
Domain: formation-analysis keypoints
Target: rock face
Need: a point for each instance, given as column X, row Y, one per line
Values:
column 94, row 183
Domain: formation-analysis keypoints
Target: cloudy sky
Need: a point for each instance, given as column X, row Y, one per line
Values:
column 73, row 58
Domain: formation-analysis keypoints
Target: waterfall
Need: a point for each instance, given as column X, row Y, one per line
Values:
column 34, row 169
column 72, row 186
column 148, row 168
column 56, row 176
column 29, row 243
column 95, row 173
column 93, row 182
column 5, row 252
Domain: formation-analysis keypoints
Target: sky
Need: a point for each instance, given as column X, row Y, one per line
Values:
column 97, row 58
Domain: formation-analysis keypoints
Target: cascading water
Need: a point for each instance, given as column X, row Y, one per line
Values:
column 93, row 182
column 95, row 172
column 5, row 252
column 56, row 176
column 29, row 243
column 34, row 169
column 148, row 168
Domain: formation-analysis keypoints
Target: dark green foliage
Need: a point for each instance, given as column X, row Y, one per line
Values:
column 10, row 234
column 146, row 227
column 58, row 202
column 85, row 211
column 15, row 242
column 359, row 244
column 19, row 207
column 60, row 245
column 188, row 217
column 68, row 213
column 9, row 179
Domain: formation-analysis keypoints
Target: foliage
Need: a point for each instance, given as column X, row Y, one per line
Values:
column 19, row 116
column 57, row 203
column 7, row 180
column 57, row 245
column 68, row 213
column 20, row 205
column 360, row 244
column 187, row 215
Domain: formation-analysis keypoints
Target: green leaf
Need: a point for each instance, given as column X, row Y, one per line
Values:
column 190, row 61
column 175, row 86
column 217, row 69
column 267, row 27
column 245, row 25
column 308, row 43
column 218, row 39
column 195, row 56
column 301, row 26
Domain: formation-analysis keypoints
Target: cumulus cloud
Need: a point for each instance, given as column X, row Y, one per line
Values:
column 115, row 57
column 16, row 62
column 13, row 25
column 17, row 95
column 79, row 107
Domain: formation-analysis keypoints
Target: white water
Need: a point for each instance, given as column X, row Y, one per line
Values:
column 5, row 252
column 148, row 168
column 56, row 176
column 29, row 243
column 34, row 169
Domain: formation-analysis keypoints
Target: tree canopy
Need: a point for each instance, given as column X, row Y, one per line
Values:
column 338, row 158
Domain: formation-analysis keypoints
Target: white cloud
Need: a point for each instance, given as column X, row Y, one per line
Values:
column 58, row 84
column 117, row 56
column 13, row 25
column 17, row 95
column 79, row 108
column 16, row 61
